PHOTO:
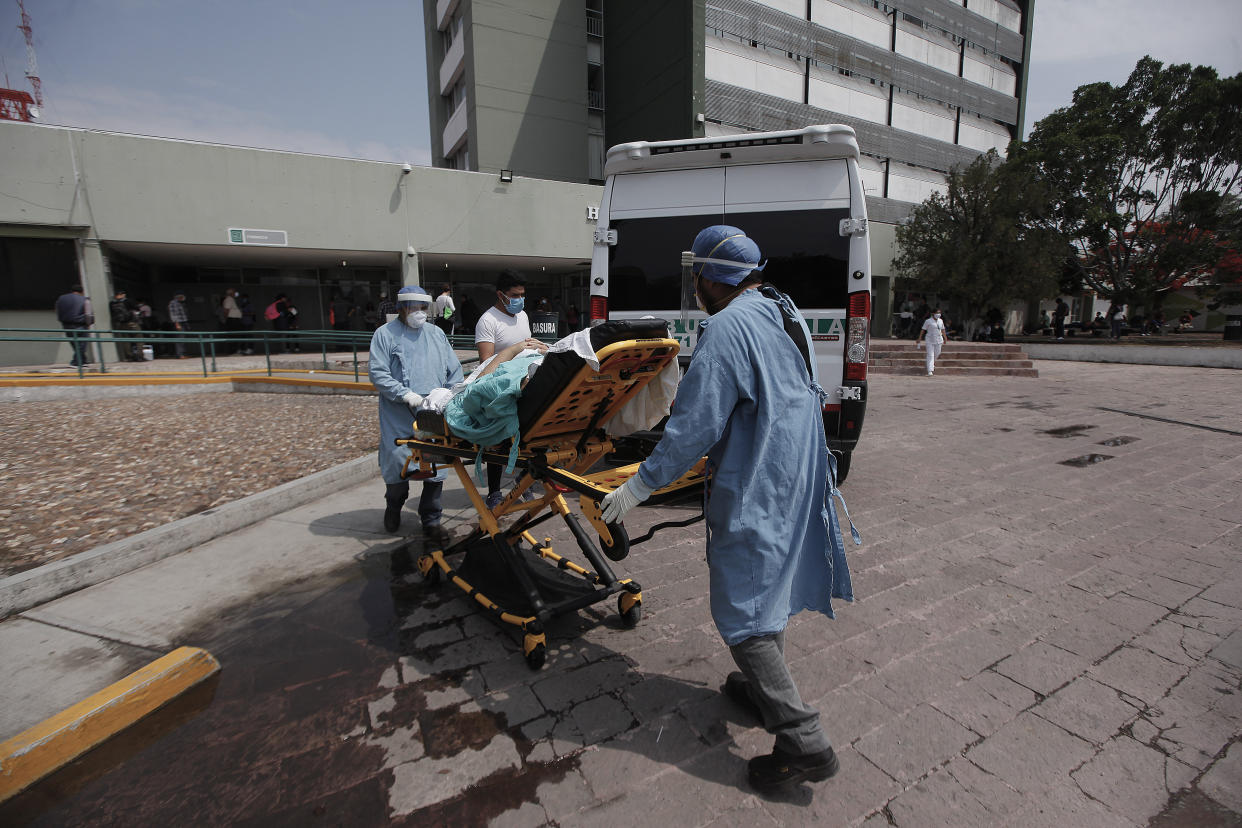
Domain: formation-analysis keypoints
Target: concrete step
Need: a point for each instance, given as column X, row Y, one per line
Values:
column 948, row 370
column 963, row 351
column 984, row 359
column 884, row 362
column 962, row 355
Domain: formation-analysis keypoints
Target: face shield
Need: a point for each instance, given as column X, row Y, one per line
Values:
column 413, row 303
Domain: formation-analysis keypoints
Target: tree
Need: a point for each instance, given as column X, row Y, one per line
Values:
column 1133, row 172
column 979, row 243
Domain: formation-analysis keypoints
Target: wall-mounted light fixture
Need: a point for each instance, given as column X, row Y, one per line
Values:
column 506, row 176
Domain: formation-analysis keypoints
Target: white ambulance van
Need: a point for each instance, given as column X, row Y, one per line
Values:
column 796, row 193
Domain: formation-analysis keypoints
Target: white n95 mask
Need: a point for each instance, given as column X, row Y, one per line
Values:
column 416, row 319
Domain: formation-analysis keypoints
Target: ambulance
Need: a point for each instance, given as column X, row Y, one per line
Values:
column 796, row 193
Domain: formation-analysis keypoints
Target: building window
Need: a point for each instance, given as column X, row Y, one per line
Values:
column 455, row 98
column 459, row 160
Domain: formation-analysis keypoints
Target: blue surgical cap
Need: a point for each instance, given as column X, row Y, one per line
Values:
column 413, row 293
column 725, row 254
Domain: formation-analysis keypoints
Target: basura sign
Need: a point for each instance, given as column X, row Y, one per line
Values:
column 262, row 238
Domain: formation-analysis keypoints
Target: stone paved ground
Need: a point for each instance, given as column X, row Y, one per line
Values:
column 1033, row 644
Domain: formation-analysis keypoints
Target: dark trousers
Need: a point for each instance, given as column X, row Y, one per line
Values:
column 794, row 723
column 79, row 341
column 1058, row 326
column 179, row 342
column 429, row 507
column 494, row 472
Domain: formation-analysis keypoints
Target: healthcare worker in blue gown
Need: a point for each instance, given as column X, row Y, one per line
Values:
column 774, row 546
column 408, row 359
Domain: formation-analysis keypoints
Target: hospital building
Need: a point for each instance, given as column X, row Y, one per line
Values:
column 543, row 87
column 524, row 97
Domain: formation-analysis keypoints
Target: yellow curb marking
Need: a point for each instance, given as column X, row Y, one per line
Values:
column 53, row 743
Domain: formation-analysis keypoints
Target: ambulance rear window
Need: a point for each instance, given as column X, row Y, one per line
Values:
column 807, row 256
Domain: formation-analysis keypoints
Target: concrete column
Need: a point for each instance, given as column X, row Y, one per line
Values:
column 98, row 288
column 881, row 306
column 409, row 268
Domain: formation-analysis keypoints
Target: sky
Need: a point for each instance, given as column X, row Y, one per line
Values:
column 348, row 79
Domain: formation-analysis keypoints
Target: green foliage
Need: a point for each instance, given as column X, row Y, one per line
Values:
column 1135, row 175
column 979, row 244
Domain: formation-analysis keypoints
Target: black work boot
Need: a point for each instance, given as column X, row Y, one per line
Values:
column 780, row 770
column 395, row 496
column 392, row 516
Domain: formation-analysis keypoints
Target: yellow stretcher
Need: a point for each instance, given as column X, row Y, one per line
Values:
column 561, row 415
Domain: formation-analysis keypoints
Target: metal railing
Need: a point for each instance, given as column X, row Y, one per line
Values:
column 208, row 346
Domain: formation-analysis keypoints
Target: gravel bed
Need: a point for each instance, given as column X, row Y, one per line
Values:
column 78, row 474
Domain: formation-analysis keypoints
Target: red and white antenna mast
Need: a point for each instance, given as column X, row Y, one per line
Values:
column 32, row 66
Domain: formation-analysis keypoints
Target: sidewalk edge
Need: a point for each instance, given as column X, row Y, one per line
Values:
column 42, row 584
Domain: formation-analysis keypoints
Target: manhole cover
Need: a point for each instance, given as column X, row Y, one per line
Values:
column 1086, row 460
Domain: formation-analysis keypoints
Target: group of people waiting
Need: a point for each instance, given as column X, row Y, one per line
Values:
column 750, row 403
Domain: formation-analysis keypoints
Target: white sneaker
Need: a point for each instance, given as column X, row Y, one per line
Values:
column 931, row 373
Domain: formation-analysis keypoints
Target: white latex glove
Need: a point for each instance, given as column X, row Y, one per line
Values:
column 619, row 501
column 412, row 400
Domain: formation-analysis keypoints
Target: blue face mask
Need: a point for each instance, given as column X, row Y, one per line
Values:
column 514, row 306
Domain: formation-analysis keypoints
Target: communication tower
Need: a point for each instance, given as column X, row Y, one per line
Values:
column 17, row 104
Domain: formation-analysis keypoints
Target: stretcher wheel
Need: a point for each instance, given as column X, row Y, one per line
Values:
column 629, row 617
column 536, row 657
column 620, row 546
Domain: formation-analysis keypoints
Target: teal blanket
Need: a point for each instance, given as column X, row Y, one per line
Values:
column 486, row 411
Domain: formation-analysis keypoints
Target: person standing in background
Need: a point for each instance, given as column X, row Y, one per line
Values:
column 73, row 310
column 505, row 323
column 444, row 311
column 180, row 321
column 247, row 321
column 125, row 320
column 1058, row 318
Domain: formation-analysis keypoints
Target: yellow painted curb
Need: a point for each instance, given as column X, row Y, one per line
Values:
column 53, row 743
column 132, row 380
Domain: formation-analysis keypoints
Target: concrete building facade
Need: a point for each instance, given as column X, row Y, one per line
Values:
column 926, row 84
column 156, row 217
column 516, row 85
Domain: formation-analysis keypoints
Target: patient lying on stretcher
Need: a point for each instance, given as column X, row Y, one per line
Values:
column 483, row 407
column 531, row 351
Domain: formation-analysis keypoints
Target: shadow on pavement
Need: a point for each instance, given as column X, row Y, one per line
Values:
column 379, row 699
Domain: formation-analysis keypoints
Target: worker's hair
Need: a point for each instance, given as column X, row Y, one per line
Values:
column 509, row 278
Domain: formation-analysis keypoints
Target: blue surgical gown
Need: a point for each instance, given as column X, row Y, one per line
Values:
column 403, row 360
column 774, row 545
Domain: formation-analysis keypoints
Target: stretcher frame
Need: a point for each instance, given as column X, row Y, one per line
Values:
column 557, row 450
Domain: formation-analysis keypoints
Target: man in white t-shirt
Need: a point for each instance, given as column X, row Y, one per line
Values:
column 444, row 302
column 933, row 330
column 502, row 325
